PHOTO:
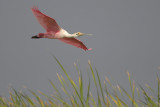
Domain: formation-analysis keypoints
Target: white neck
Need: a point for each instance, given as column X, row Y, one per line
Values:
column 66, row 34
column 71, row 35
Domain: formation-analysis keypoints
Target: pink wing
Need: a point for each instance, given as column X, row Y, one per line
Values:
column 46, row 22
column 75, row 42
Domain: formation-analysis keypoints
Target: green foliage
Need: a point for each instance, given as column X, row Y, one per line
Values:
column 107, row 94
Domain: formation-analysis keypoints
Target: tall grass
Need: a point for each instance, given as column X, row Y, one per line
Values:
column 72, row 93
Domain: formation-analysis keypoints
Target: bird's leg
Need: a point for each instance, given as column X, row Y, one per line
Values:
column 35, row 37
column 40, row 35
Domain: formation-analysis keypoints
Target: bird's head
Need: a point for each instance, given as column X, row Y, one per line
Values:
column 81, row 34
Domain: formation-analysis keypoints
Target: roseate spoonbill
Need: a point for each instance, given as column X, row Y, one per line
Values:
column 53, row 31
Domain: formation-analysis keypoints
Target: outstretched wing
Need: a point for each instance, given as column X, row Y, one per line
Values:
column 46, row 22
column 75, row 42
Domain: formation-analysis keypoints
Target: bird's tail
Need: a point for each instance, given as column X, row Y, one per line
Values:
column 35, row 37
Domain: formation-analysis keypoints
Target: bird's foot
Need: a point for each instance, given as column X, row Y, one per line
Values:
column 35, row 37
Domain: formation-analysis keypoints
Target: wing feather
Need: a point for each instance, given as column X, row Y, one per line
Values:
column 75, row 42
column 46, row 22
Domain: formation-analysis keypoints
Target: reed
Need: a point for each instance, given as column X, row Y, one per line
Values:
column 107, row 94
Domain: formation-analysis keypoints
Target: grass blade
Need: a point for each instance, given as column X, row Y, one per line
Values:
column 94, row 78
column 100, row 87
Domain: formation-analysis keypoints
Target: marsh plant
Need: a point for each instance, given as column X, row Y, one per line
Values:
column 78, row 93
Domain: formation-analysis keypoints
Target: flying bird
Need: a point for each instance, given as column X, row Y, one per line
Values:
column 54, row 31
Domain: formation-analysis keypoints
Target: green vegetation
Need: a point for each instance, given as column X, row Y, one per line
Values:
column 78, row 93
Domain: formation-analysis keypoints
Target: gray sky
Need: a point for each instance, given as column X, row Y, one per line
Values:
column 126, row 36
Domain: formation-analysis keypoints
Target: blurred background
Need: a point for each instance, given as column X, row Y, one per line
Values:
column 126, row 37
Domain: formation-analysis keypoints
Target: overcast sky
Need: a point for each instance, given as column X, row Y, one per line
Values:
column 126, row 36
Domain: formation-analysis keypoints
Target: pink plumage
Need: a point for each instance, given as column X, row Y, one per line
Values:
column 53, row 31
column 46, row 22
column 75, row 42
